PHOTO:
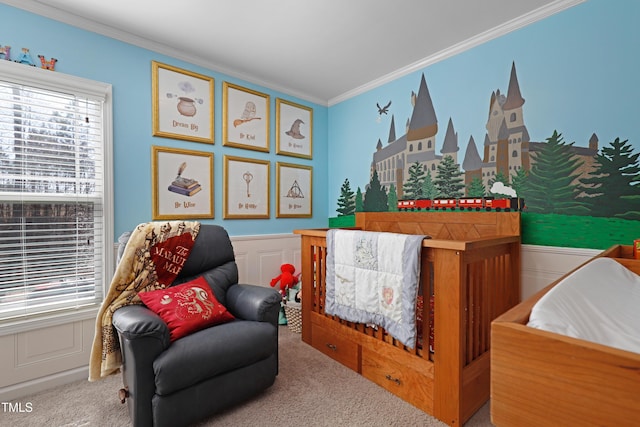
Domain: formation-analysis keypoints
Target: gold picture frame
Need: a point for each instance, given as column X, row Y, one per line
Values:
column 245, row 118
column 182, row 183
column 294, row 129
column 246, row 188
column 183, row 105
column 294, row 191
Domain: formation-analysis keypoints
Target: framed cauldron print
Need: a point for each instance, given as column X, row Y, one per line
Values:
column 182, row 104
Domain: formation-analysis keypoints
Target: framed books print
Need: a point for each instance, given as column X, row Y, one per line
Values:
column 246, row 188
column 294, row 190
column 294, row 129
column 182, row 183
column 245, row 118
column 182, row 104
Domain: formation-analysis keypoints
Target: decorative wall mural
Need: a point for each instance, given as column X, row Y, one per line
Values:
column 598, row 181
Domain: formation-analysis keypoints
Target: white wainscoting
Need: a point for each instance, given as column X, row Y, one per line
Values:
column 541, row 265
column 39, row 359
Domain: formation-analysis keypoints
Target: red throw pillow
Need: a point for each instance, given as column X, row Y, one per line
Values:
column 186, row 308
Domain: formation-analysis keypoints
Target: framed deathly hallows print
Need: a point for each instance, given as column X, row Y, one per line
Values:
column 294, row 129
column 245, row 118
column 182, row 104
column 294, row 191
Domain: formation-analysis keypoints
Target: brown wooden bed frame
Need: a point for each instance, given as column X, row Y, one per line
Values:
column 543, row 378
column 471, row 268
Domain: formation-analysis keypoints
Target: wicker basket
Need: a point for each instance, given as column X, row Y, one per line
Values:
column 294, row 317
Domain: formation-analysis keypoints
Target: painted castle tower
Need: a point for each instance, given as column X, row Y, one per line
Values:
column 506, row 147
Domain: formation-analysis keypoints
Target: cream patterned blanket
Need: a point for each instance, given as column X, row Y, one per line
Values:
column 373, row 277
column 153, row 257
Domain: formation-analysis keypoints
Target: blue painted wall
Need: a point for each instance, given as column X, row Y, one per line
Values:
column 577, row 71
column 128, row 69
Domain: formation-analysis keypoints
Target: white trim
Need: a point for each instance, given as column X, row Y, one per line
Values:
column 561, row 250
column 509, row 26
column 28, row 388
column 38, row 8
column 52, row 319
column 123, row 36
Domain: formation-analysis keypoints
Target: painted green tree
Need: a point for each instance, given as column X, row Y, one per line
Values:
column 392, row 199
column 429, row 190
column 412, row 188
column 449, row 181
column 346, row 201
column 375, row 197
column 518, row 181
column 359, row 202
column 476, row 188
column 550, row 186
column 613, row 188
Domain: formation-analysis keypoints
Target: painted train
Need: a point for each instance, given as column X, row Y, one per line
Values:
column 464, row 203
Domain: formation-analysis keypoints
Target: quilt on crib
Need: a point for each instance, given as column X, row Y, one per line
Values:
column 372, row 277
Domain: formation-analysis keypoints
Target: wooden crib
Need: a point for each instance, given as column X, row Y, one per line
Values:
column 470, row 270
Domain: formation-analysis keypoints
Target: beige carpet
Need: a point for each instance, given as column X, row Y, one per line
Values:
column 311, row 390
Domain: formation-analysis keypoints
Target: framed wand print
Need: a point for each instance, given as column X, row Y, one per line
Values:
column 246, row 188
column 294, row 129
column 182, row 104
column 245, row 118
column 182, row 183
column 293, row 191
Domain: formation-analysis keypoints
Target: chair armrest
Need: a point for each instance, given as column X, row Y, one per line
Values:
column 137, row 321
column 252, row 302
column 143, row 336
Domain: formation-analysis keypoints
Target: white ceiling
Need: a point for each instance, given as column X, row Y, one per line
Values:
column 323, row 51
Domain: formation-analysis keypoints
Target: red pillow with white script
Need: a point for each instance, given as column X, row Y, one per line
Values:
column 186, row 308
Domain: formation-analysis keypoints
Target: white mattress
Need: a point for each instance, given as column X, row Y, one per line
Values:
column 600, row 302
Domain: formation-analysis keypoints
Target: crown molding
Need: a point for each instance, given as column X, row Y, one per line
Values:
column 509, row 26
column 38, row 8
column 543, row 12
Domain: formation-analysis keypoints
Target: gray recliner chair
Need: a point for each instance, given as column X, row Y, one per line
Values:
column 179, row 383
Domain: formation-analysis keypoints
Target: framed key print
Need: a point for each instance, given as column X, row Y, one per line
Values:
column 182, row 183
column 182, row 104
column 246, row 188
column 293, row 190
column 294, row 129
column 245, row 118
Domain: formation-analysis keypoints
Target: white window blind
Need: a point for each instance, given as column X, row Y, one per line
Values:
column 52, row 197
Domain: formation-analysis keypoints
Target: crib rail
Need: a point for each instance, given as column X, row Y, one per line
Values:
column 470, row 274
column 486, row 269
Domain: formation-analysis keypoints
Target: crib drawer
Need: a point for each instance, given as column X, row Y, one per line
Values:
column 398, row 378
column 336, row 347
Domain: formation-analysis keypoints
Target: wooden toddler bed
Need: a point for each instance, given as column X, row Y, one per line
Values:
column 545, row 378
column 470, row 272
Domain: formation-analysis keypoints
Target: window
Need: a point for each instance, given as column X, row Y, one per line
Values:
column 55, row 193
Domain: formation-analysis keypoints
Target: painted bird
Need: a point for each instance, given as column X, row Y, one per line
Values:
column 383, row 110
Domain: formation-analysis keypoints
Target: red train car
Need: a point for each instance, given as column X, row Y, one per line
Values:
column 464, row 203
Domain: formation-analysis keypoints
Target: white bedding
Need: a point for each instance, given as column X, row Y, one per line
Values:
column 600, row 302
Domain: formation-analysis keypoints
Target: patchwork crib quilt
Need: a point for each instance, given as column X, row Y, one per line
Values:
column 372, row 278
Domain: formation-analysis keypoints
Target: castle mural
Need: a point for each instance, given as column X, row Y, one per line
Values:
column 506, row 150
column 553, row 176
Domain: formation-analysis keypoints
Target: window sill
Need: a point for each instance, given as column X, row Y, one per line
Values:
column 25, row 325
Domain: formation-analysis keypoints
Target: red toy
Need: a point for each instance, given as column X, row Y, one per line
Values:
column 286, row 278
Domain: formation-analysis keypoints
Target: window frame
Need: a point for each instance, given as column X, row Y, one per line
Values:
column 55, row 81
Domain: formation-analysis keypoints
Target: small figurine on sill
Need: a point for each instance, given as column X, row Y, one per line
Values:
column 6, row 52
column 25, row 58
column 287, row 280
